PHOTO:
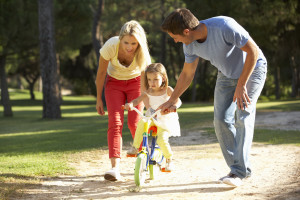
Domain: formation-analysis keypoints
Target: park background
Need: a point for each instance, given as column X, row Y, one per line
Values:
column 77, row 30
column 49, row 51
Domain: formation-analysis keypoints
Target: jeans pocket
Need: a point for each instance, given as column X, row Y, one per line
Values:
column 259, row 75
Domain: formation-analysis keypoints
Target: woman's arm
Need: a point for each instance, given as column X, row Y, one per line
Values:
column 101, row 74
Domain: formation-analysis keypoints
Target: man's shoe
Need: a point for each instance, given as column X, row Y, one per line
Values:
column 222, row 178
column 233, row 180
column 112, row 175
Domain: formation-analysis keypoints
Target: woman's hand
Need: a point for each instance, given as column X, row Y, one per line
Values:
column 99, row 107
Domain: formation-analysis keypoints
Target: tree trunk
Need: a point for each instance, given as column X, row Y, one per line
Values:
column 4, row 89
column 51, row 96
column 298, row 82
column 163, row 35
column 58, row 75
column 31, row 88
column 277, row 81
column 295, row 77
column 96, row 33
column 97, row 37
column 163, row 48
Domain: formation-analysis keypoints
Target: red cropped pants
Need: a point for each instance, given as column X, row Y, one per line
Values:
column 117, row 93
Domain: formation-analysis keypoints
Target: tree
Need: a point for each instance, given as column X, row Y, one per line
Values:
column 29, row 69
column 18, row 40
column 4, row 89
column 96, row 32
column 8, row 35
column 48, row 63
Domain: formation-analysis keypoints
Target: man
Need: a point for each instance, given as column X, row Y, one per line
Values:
column 242, row 71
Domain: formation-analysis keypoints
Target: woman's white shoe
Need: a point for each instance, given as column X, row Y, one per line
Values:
column 112, row 175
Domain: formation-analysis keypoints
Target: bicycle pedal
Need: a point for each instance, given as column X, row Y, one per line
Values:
column 164, row 170
column 131, row 155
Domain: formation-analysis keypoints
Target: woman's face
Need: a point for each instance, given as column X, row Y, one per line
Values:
column 129, row 44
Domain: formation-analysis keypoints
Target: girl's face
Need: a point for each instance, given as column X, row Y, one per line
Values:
column 155, row 80
column 129, row 44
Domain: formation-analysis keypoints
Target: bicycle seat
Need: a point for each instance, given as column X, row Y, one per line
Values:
column 153, row 129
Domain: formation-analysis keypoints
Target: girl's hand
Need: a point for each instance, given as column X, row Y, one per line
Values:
column 128, row 106
column 99, row 107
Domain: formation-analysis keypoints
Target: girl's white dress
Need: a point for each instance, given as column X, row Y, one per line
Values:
column 169, row 121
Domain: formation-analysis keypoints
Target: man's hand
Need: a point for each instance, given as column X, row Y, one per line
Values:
column 167, row 107
column 241, row 97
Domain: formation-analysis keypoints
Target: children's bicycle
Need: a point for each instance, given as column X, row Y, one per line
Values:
column 149, row 156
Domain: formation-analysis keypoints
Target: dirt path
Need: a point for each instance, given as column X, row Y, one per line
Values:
column 198, row 165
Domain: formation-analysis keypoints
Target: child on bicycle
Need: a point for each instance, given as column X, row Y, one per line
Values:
column 157, row 93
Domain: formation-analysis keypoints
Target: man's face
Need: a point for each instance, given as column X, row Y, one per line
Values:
column 185, row 38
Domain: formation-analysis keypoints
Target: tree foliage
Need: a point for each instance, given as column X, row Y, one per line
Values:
column 273, row 24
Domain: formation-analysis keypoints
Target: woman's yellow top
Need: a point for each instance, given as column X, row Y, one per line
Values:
column 115, row 69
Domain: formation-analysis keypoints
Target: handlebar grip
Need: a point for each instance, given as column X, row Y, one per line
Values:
column 175, row 110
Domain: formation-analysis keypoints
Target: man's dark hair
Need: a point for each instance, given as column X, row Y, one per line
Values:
column 178, row 20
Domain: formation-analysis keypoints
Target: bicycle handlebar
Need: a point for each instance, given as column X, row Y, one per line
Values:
column 142, row 115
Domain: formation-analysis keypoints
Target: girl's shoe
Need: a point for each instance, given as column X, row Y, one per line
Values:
column 112, row 175
column 132, row 152
column 169, row 166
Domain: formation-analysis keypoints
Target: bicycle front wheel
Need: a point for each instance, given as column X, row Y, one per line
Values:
column 140, row 169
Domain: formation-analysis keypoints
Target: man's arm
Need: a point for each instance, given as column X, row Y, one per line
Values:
column 240, row 94
column 183, row 82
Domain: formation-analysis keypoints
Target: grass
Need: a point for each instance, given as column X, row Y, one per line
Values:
column 31, row 147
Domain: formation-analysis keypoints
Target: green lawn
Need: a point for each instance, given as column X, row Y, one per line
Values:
column 31, row 146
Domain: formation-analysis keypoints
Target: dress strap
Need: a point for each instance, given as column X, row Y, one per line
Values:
column 147, row 94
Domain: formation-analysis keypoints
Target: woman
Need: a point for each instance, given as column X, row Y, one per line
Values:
column 122, row 62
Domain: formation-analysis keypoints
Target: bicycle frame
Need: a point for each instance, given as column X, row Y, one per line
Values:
column 147, row 132
column 152, row 157
column 145, row 146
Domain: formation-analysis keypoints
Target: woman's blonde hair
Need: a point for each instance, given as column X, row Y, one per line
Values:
column 133, row 28
column 157, row 68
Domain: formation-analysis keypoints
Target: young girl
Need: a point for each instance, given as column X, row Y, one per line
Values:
column 157, row 92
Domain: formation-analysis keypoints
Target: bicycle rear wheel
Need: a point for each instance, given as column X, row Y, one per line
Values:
column 140, row 169
column 154, row 168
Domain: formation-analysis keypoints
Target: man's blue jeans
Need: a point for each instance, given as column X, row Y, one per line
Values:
column 234, row 127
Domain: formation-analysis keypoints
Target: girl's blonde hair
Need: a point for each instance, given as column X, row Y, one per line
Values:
column 133, row 28
column 157, row 68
